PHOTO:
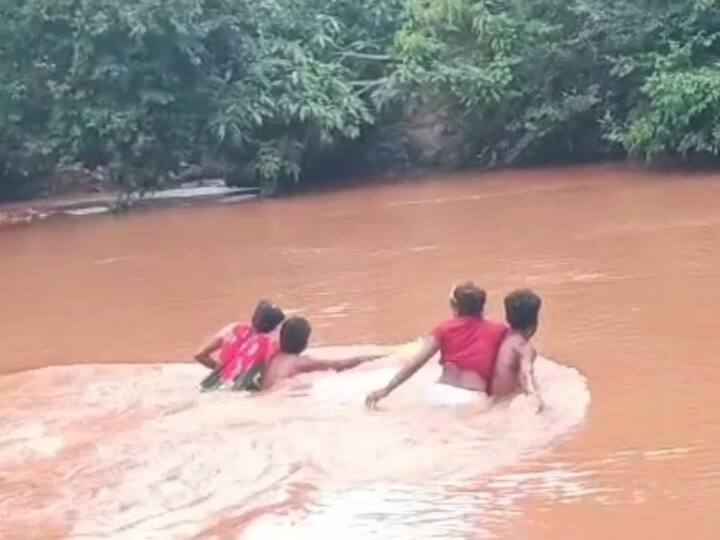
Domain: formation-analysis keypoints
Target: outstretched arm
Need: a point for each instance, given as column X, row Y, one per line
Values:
column 429, row 347
column 306, row 364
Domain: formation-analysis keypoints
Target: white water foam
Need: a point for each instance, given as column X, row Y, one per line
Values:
column 133, row 452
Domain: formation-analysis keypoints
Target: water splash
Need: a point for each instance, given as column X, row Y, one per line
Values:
column 136, row 452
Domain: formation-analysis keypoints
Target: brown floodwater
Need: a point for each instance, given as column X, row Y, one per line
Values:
column 114, row 441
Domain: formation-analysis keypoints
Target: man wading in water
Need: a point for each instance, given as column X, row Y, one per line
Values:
column 468, row 345
column 244, row 349
column 514, row 369
column 250, row 359
column 288, row 362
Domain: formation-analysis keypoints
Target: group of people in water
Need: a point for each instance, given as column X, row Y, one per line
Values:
column 477, row 355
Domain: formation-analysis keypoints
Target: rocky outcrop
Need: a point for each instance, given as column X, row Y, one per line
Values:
column 430, row 136
column 433, row 136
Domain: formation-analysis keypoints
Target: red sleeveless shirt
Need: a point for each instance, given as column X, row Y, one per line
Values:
column 243, row 348
column 471, row 344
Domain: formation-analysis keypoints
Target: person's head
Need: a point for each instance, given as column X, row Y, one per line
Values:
column 294, row 335
column 522, row 308
column 267, row 317
column 467, row 300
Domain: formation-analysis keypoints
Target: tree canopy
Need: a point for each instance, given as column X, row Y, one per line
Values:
column 269, row 89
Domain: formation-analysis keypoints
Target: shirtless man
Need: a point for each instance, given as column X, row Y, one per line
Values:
column 514, row 368
column 287, row 363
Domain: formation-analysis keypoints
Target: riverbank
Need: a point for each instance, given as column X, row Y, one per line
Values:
column 213, row 191
column 79, row 205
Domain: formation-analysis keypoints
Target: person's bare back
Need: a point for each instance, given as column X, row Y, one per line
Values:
column 515, row 363
column 289, row 363
column 282, row 366
column 515, row 353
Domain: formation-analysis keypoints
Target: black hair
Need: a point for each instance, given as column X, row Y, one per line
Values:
column 468, row 299
column 267, row 317
column 521, row 309
column 294, row 335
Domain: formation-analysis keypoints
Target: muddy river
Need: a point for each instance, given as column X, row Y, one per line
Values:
column 104, row 435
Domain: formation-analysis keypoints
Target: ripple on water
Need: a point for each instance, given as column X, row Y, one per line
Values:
column 143, row 455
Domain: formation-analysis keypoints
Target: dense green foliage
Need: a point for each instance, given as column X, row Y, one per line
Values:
column 268, row 90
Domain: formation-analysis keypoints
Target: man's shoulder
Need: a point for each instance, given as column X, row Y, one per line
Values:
column 498, row 326
column 528, row 348
column 513, row 342
column 497, row 330
column 283, row 356
column 230, row 330
column 444, row 326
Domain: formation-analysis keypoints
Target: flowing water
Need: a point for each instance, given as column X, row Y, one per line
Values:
column 103, row 434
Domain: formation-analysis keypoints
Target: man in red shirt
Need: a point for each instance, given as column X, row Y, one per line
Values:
column 468, row 345
column 241, row 347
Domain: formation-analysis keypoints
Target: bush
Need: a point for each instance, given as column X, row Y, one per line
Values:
column 268, row 89
column 681, row 116
column 148, row 86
